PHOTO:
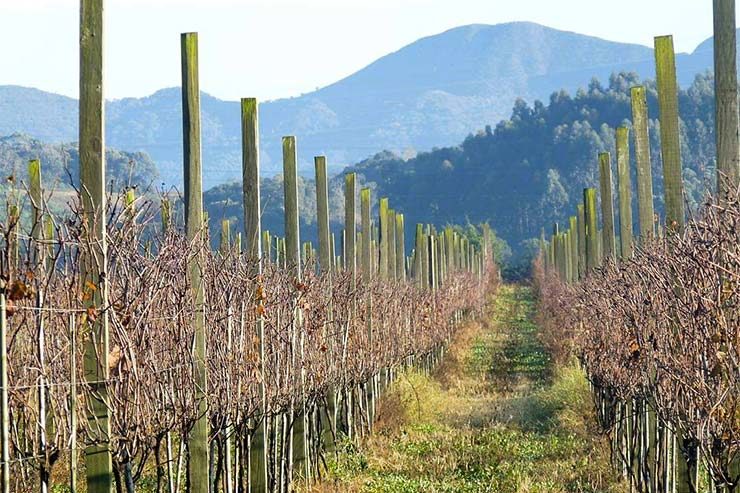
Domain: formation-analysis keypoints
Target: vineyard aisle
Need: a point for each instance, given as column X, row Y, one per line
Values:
column 497, row 416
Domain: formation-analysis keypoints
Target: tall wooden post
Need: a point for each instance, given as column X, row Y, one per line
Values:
column 198, row 470
column 384, row 239
column 350, row 227
column 400, row 249
column 591, row 233
column 366, row 233
column 92, row 185
column 645, row 211
column 665, row 70
column 607, row 205
column 255, row 241
column 322, row 215
column 581, row 225
column 625, row 192
column 251, row 177
column 726, row 99
column 418, row 247
column 4, row 404
column 425, row 259
column 290, row 190
column 392, row 245
column 574, row 257
column 432, row 256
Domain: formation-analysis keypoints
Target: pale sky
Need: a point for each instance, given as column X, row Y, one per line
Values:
column 280, row 48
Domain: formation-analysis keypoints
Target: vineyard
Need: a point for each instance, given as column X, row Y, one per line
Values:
column 132, row 353
column 654, row 318
column 138, row 353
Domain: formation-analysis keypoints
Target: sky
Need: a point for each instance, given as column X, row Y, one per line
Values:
column 273, row 49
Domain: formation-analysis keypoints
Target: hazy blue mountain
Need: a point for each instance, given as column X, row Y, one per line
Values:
column 431, row 93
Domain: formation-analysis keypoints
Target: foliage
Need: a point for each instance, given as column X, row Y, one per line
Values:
column 60, row 163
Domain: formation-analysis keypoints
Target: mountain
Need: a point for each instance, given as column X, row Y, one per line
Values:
column 429, row 93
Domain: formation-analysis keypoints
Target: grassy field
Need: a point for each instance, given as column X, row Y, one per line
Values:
column 495, row 417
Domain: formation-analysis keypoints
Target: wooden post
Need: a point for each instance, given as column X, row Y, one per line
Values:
column 92, row 184
column 72, row 402
column 198, row 470
column 591, row 234
column 37, row 256
column 4, row 406
column 607, row 205
column 251, row 177
column 392, row 245
column 625, row 192
column 266, row 247
column 400, row 249
column 432, row 256
column 366, row 233
column 665, row 69
column 645, row 210
column 581, row 224
column 225, row 238
column 290, row 190
column 258, row 474
column 425, row 260
column 350, row 228
column 726, row 99
column 418, row 247
column 574, row 257
column 322, row 214
column 384, row 239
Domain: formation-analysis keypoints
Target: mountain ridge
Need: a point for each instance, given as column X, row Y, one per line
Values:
column 430, row 93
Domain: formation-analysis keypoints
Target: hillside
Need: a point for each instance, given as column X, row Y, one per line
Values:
column 527, row 171
column 429, row 93
column 59, row 162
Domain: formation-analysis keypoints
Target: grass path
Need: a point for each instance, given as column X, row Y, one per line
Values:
column 495, row 417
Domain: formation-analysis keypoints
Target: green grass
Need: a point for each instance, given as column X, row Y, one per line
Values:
column 497, row 417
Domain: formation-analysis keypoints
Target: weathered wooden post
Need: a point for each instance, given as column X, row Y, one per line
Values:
column 322, row 215
column 665, row 70
column 290, row 197
column 418, row 247
column 366, row 234
column 400, row 249
column 432, row 256
column 726, row 99
column 293, row 263
column 350, row 227
column 37, row 257
column 92, row 185
column 625, row 192
column 726, row 113
column 253, row 249
column 591, row 234
column 425, row 259
column 384, row 239
column 4, row 404
column 392, row 245
column 645, row 209
column 574, row 257
column 198, row 470
column 581, row 224
column 607, row 205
